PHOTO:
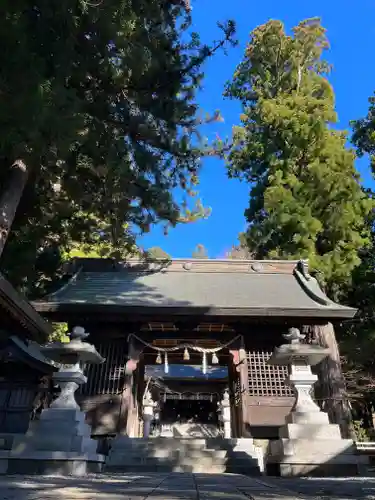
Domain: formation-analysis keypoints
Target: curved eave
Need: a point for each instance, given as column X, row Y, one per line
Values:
column 23, row 312
column 311, row 287
column 31, row 355
column 55, row 308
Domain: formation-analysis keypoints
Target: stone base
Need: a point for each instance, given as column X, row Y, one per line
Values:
column 307, row 418
column 58, row 443
column 58, row 430
column 319, row 470
column 311, row 431
column 314, row 456
column 51, row 463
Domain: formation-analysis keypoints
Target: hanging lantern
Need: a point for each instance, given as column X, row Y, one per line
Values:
column 166, row 366
column 204, row 363
column 215, row 359
column 158, row 359
column 186, row 354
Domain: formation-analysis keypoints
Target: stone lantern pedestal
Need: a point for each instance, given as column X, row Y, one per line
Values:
column 60, row 441
column 308, row 443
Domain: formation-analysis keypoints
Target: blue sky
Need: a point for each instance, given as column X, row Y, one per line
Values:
column 351, row 31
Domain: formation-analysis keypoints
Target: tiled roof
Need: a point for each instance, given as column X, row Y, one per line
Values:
column 250, row 287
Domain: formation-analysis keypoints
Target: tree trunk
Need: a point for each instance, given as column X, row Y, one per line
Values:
column 332, row 381
column 10, row 198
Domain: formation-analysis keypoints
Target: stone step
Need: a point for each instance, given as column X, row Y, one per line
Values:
column 182, row 451
column 165, row 461
column 165, row 442
column 130, row 460
column 166, row 469
column 192, row 468
column 183, row 455
column 167, row 452
column 174, row 443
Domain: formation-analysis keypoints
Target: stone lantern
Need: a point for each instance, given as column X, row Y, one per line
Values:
column 300, row 358
column 60, row 442
column 308, row 442
column 72, row 356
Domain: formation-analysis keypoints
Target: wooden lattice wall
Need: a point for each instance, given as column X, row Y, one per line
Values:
column 269, row 398
column 266, row 380
column 109, row 377
column 103, row 397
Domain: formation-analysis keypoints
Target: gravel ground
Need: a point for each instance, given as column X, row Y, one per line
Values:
column 182, row 487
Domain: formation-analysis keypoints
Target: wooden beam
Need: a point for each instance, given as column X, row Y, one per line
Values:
column 200, row 314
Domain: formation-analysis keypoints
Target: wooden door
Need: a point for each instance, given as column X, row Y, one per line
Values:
column 16, row 405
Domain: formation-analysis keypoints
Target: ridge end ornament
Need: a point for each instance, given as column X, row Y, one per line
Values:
column 303, row 267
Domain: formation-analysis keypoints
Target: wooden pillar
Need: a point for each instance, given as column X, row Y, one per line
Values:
column 131, row 403
column 244, row 387
column 232, row 382
column 240, row 379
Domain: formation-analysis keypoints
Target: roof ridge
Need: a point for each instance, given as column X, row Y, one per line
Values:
column 192, row 259
column 196, row 265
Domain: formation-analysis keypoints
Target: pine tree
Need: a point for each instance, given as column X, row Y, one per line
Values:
column 305, row 198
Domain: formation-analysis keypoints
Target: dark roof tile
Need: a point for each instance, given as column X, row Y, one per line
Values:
column 207, row 284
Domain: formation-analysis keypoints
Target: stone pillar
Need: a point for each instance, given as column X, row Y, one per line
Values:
column 148, row 413
column 308, row 442
column 224, row 408
column 305, row 409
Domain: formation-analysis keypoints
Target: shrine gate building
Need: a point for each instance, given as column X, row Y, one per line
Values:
column 187, row 330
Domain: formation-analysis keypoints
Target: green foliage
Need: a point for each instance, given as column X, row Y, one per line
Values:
column 59, row 333
column 358, row 337
column 101, row 246
column 241, row 250
column 362, row 433
column 305, row 196
column 157, row 253
column 364, row 133
column 98, row 100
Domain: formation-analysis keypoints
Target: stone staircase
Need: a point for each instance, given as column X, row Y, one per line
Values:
column 211, row 455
